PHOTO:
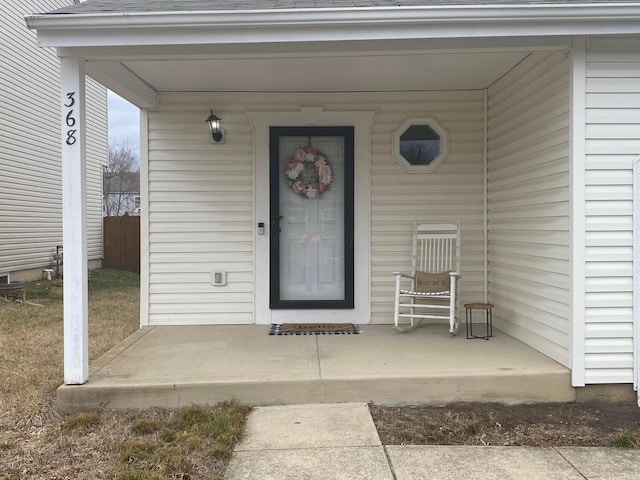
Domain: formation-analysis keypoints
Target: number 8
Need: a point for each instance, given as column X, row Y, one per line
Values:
column 71, row 139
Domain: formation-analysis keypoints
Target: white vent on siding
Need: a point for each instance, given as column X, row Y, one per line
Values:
column 219, row 279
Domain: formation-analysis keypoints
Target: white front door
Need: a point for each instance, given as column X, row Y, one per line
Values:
column 311, row 209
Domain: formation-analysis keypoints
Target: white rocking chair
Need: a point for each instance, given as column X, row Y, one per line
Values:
column 430, row 292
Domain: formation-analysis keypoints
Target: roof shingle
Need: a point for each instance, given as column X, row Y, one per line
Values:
column 157, row 6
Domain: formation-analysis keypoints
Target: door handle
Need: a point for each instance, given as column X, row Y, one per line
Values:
column 275, row 224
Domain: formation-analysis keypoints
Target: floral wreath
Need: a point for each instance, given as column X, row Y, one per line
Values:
column 308, row 172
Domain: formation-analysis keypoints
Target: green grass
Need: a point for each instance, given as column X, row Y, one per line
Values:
column 178, row 444
column 131, row 451
column 626, row 439
column 106, row 279
column 216, row 428
column 82, row 422
column 145, row 427
column 168, row 436
column 473, row 428
column 407, row 437
column 44, row 290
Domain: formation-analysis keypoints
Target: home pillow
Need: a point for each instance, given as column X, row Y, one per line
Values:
column 432, row 282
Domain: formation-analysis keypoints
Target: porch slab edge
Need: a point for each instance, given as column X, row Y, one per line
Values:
column 550, row 387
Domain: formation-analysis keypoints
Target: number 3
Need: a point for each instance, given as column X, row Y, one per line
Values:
column 72, row 100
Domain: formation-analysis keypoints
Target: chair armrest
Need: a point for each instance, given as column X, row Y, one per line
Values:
column 402, row 275
column 455, row 274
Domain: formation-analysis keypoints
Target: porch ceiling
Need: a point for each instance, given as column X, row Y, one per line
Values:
column 137, row 73
column 381, row 72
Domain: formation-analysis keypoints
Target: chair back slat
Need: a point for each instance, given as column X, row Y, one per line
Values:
column 436, row 248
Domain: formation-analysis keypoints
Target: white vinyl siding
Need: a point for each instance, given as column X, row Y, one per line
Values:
column 453, row 192
column 97, row 156
column 200, row 213
column 529, row 204
column 612, row 145
column 201, row 197
column 30, row 177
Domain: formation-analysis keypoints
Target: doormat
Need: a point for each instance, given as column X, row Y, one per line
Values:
column 314, row 329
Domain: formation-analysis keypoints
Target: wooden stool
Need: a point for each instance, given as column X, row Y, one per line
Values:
column 488, row 316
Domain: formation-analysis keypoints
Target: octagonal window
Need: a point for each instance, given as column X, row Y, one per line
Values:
column 420, row 145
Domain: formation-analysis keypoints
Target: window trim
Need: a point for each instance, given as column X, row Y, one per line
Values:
column 437, row 161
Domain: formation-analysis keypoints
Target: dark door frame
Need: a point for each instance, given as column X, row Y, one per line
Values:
column 274, row 213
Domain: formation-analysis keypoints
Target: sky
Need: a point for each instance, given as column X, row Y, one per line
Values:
column 124, row 121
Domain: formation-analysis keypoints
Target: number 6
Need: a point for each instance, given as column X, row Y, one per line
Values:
column 71, row 121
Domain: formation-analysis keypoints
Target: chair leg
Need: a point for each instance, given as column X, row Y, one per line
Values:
column 412, row 309
column 453, row 327
column 396, row 312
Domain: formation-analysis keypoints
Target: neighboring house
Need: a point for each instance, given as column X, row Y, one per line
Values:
column 537, row 102
column 121, row 194
column 30, row 152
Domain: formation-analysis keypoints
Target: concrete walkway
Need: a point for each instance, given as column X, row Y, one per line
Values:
column 340, row 442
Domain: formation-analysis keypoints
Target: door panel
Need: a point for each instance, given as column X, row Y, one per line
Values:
column 312, row 263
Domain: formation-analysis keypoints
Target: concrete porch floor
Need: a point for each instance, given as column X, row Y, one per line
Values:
column 174, row 366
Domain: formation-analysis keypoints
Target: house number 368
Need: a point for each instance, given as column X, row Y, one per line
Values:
column 70, row 119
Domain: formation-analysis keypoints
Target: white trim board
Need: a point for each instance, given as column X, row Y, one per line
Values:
column 636, row 275
column 314, row 116
column 333, row 24
column 145, row 261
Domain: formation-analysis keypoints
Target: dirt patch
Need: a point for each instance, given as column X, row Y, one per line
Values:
column 536, row 425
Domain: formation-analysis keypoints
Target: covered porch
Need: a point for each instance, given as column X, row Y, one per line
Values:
column 173, row 366
column 507, row 83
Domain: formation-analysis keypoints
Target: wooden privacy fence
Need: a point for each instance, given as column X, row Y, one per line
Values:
column 122, row 243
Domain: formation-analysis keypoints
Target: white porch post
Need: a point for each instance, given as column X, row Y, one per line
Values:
column 76, row 313
column 578, row 210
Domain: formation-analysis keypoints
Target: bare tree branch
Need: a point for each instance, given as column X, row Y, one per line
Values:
column 121, row 179
column 419, row 152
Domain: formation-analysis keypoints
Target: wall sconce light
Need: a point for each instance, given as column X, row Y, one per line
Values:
column 213, row 122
